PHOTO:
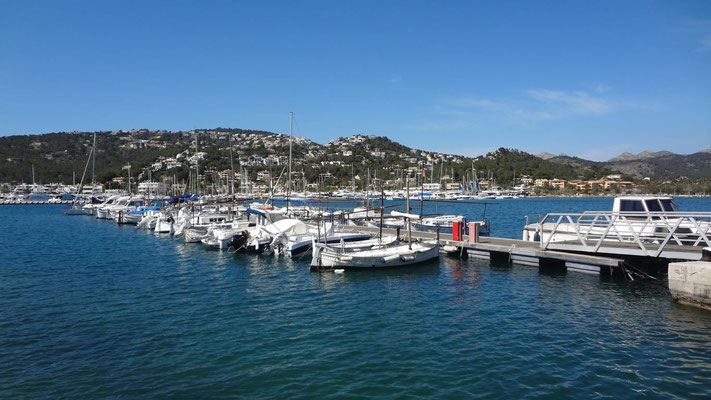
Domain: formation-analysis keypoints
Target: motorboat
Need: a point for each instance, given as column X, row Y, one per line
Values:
column 102, row 210
column 220, row 236
column 291, row 237
column 633, row 218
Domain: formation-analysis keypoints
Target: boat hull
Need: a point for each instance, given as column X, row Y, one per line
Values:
column 391, row 257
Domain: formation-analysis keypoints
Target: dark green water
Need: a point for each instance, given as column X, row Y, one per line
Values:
column 89, row 309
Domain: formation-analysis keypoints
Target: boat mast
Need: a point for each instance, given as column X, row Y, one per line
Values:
column 382, row 207
column 232, row 170
column 93, row 165
column 288, row 185
column 409, row 227
column 422, row 194
column 441, row 167
column 367, row 193
column 197, row 164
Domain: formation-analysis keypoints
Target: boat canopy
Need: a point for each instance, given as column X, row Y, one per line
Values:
column 144, row 210
column 395, row 213
column 290, row 226
column 255, row 211
column 184, row 198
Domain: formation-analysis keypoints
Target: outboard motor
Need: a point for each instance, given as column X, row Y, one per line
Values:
column 239, row 241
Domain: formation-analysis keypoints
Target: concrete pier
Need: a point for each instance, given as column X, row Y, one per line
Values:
column 690, row 281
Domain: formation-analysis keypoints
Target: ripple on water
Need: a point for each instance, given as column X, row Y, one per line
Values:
column 103, row 311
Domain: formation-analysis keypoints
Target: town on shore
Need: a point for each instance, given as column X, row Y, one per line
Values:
column 254, row 164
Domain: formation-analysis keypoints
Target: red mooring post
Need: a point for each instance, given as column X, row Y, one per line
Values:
column 457, row 231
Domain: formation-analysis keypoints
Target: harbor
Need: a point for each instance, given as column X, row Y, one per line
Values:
column 355, row 200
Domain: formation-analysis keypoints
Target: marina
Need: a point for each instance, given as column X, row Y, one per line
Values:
column 355, row 200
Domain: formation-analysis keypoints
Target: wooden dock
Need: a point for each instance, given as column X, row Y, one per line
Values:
column 525, row 252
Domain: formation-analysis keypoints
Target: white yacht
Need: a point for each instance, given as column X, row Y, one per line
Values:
column 645, row 217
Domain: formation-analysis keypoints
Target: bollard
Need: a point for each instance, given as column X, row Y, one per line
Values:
column 456, row 231
column 473, row 232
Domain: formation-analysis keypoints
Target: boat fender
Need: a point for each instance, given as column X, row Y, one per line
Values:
column 409, row 257
column 339, row 271
column 390, row 258
column 525, row 235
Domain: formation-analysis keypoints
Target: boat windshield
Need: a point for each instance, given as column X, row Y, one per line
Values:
column 631, row 205
column 653, row 205
column 669, row 205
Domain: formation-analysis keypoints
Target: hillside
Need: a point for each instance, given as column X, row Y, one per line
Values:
column 661, row 165
column 168, row 155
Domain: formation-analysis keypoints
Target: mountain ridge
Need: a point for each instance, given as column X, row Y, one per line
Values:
column 56, row 156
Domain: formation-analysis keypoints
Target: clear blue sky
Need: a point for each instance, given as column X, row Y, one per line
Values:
column 585, row 78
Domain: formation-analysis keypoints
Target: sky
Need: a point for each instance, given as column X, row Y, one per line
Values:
column 589, row 79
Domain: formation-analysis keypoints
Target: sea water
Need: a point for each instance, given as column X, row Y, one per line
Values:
column 90, row 309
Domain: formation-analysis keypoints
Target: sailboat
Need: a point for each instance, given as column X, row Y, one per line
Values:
column 378, row 256
column 77, row 208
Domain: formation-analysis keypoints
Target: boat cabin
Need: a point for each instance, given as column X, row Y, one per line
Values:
column 644, row 204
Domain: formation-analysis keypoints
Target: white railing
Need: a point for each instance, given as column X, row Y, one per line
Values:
column 650, row 232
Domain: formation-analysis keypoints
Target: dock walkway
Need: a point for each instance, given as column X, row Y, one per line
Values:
column 530, row 253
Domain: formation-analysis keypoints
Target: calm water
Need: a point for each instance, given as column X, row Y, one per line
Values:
column 89, row 309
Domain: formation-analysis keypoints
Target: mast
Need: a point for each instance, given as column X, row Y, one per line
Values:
column 291, row 132
column 422, row 194
column 232, row 170
column 367, row 193
column 441, row 167
column 78, row 193
column 409, row 226
column 382, row 207
column 197, row 164
column 93, row 165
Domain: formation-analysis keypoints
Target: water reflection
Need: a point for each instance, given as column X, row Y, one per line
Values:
column 411, row 272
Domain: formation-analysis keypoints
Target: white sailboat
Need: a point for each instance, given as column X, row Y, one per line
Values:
column 325, row 256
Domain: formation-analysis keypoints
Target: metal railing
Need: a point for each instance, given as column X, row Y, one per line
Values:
column 651, row 232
